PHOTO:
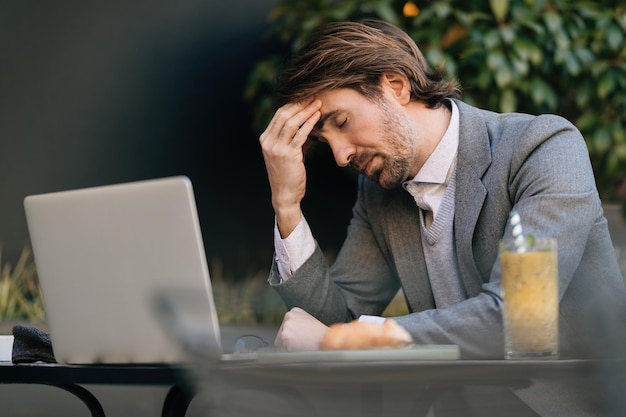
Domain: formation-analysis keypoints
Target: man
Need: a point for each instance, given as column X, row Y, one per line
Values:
column 438, row 181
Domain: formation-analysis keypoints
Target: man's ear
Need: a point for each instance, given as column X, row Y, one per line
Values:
column 397, row 85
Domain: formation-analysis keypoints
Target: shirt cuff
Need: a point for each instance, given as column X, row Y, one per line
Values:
column 371, row 319
column 293, row 251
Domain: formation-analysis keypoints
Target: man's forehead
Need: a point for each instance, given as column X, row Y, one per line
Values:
column 324, row 118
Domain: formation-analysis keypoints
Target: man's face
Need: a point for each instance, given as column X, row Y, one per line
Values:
column 375, row 137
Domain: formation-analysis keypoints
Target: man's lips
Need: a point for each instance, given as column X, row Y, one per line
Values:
column 362, row 167
column 368, row 167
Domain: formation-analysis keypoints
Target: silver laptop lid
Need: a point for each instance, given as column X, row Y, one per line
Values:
column 103, row 254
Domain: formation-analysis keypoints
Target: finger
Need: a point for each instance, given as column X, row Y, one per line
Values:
column 304, row 131
column 280, row 116
column 288, row 119
column 279, row 341
column 285, row 112
column 294, row 310
column 293, row 126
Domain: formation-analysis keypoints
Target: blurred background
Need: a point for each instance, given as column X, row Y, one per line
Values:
column 101, row 93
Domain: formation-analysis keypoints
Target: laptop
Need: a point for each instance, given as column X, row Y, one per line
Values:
column 125, row 279
column 102, row 253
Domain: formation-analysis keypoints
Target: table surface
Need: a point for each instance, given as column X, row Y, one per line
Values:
column 459, row 371
column 168, row 374
column 399, row 388
column 308, row 377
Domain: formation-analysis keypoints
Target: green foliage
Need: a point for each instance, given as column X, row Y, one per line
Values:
column 537, row 56
column 20, row 294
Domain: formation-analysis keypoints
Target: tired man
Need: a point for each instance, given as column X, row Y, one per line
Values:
column 438, row 180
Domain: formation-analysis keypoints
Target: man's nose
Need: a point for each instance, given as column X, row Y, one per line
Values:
column 343, row 151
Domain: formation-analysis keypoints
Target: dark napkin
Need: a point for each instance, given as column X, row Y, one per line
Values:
column 31, row 345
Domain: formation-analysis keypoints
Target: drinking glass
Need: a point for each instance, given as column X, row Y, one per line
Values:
column 531, row 298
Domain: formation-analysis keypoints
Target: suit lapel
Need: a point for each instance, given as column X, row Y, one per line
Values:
column 474, row 157
column 406, row 249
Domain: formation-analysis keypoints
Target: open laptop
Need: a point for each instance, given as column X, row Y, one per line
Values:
column 125, row 279
column 101, row 255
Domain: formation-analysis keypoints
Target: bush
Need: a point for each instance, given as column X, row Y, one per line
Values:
column 535, row 56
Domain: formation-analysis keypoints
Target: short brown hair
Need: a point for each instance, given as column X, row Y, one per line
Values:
column 356, row 55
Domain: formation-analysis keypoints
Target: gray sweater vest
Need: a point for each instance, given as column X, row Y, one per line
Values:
column 440, row 251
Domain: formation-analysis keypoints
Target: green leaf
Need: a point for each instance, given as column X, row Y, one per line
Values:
column 386, row 12
column 605, row 85
column 562, row 39
column 491, row 40
column 496, row 60
column 587, row 121
column 534, row 26
column 541, row 93
column 553, row 21
column 508, row 34
column 614, row 37
column 598, row 67
column 602, row 140
column 435, row 57
column 612, row 163
column 528, row 50
column 442, row 9
column 499, row 8
column 451, row 66
column 483, row 79
column 342, row 11
column 504, row 77
column 508, row 101
column 619, row 146
column 520, row 65
column 572, row 64
column 584, row 55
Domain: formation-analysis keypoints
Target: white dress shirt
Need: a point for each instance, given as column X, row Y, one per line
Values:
column 430, row 183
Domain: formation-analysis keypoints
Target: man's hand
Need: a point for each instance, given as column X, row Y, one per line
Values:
column 299, row 331
column 282, row 144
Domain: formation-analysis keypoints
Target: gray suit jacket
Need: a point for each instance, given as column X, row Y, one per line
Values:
column 538, row 165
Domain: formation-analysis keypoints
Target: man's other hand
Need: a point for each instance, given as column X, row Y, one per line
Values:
column 299, row 331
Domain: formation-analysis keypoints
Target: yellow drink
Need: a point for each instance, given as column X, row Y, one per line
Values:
column 531, row 300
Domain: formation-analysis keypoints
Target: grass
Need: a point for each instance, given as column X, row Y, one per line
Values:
column 247, row 300
column 20, row 294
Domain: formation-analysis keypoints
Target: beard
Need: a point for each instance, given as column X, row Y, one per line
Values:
column 393, row 164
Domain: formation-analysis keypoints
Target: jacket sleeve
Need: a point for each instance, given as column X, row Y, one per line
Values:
column 360, row 280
